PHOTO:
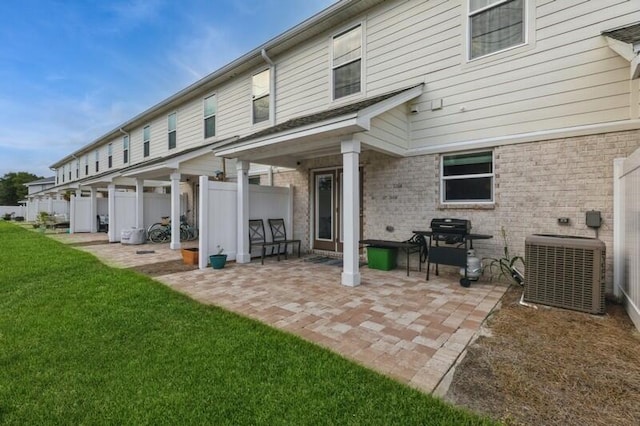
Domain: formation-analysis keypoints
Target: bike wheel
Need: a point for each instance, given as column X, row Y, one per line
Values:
column 151, row 227
column 184, row 234
column 156, row 235
column 193, row 234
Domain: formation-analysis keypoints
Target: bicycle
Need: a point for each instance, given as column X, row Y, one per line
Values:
column 161, row 232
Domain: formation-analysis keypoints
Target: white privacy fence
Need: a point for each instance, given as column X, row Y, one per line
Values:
column 48, row 205
column 16, row 210
column 626, row 248
column 83, row 220
column 219, row 218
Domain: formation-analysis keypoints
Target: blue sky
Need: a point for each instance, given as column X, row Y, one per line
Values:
column 71, row 70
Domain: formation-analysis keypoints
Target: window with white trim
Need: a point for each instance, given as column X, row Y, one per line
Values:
column 210, row 110
column 86, row 165
column 495, row 25
column 110, row 155
column 172, row 125
column 125, row 149
column 69, row 170
column 260, row 96
column 146, row 141
column 97, row 160
column 77, row 168
column 467, row 177
column 346, row 66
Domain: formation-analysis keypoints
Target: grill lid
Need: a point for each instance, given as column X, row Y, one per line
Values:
column 451, row 226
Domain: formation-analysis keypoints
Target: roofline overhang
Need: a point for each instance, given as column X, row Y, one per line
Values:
column 627, row 46
column 217, row 77
column 345, row 124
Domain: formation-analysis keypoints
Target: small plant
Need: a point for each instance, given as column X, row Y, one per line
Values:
column 505, row 265
column 220, row 250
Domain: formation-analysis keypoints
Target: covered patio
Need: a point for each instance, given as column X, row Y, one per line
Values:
column 404, row 327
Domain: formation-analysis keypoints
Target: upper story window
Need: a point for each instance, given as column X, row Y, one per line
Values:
column 260, row 96
column 210, row 111
column 172, row 125
column 146, row 140
column 97, row 160
column 125, row 149
column 69, row 171
column 86, row 165
column 77, row 168
column 347, row 62
column 110, row 155
column 467, row 178
column 495, row 25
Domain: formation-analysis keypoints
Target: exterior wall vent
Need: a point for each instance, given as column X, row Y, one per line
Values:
column 566, row 272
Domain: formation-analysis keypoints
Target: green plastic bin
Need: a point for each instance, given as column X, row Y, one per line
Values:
column 382, row 258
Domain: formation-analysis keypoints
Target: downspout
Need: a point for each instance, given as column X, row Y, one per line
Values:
column 272, row 87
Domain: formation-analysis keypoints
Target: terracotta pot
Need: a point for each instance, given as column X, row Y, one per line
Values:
column 190, row 256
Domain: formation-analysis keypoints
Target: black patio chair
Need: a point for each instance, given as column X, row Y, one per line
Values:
column 279, row 234
column 257, row 238
column 103, row 223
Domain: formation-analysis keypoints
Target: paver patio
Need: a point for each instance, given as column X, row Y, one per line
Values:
column 405, row 327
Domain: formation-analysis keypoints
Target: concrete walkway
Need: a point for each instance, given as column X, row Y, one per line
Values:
column 405, row 327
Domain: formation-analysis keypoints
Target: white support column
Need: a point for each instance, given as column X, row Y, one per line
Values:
column 72, row 210
column 203, row 222
column 113, row 237
column 175, row 211
column 93, row 209
column 618, row 228
column 139, row 203
column 351, row 212
column 50, row 204
column 242, row 253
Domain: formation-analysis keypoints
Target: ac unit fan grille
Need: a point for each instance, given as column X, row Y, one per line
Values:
column 565, row 276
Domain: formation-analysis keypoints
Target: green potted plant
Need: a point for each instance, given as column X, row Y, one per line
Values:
column 218, row 260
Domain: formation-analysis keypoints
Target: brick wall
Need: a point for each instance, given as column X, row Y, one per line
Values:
column 535, row 184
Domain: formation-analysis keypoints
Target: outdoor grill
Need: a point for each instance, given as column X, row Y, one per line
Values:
column 450, row 231
column 449, row 243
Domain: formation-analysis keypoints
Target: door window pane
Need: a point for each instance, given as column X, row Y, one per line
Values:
column 324, row 203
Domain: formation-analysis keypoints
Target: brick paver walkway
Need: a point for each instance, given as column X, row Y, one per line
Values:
column 405, row 327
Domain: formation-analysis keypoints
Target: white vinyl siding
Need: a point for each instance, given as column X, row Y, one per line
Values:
column 565, row 76
column 302, row 81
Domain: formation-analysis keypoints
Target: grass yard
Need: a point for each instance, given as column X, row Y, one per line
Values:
column 83, row 343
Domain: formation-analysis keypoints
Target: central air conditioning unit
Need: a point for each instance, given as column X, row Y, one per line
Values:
column 566, row 272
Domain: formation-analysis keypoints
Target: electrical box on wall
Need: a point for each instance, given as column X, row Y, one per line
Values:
column 594, row 219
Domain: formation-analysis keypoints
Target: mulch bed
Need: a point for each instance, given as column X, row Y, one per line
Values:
column 550, row 366
column 163, row 268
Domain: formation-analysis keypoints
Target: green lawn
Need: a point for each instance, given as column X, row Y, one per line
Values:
column 83, row 343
